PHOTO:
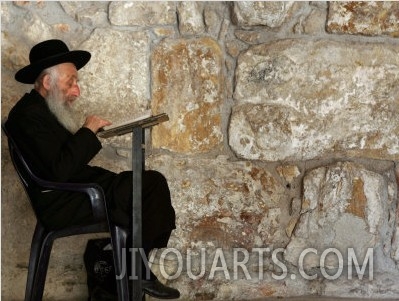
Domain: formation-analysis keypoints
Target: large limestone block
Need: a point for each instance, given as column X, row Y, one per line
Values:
column 300, row 100
column 224, row 203
column 90, row 13
column 270, row 13
column 31, row 27
column 370, row 18
column 344, row 206
column 31, row 22
column 115, row 83
column 21, row 29
column 143, row 13
column 191, row 20
column 188, row 84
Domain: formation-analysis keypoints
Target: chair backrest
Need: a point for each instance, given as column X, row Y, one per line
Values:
column 28, row 179
column 20, row 165
column 34, row 184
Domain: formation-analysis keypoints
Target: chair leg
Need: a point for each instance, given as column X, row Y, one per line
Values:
column 42, row 267
column 36, row 246
column 119, row 244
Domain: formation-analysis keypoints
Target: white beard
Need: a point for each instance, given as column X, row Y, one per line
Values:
column 62, row 110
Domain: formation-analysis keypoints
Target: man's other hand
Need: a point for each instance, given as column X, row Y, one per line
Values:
column 94, row 123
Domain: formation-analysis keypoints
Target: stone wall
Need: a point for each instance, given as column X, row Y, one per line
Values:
column 283, row 134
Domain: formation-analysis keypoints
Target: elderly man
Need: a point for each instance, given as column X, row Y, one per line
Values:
column 58, row 149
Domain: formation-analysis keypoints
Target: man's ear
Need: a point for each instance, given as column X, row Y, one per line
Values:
column 46, row 82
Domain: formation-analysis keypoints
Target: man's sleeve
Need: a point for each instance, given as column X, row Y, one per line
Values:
column 56, row 155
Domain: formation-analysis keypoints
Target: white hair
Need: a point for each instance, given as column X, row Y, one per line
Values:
column 53, row 73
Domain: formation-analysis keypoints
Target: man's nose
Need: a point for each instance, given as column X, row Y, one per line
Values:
column 75, row 90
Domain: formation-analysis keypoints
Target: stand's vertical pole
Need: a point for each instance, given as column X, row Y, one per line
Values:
column 137, row 162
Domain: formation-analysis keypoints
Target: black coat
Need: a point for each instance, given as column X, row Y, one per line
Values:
column 53, row 152
column 57, row 155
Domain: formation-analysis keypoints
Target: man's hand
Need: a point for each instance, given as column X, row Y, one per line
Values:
column 94, row 123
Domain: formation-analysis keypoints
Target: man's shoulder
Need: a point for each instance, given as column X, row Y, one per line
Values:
column 28, row 105
column 29, row 112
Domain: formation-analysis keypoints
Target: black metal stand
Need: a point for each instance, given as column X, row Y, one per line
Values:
column 137, row 167
column 137, row 128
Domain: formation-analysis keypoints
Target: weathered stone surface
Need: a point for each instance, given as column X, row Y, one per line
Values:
column 187, row 83
column 271, row 14
column 344, row 206
column 366, row 18
column 190, row 17
column 228, row 204
column 315, row 22
column 395, row 241
column 87, row 12
column 32, row 22
column 288, row 172
column 212, row 20
column 297, row 101
column 250, row 37
column 164, row 32
column 30, row 26
column 142, row 13
column 127, row 93
column 382, row 284
column 10, row 60
column 223, row 204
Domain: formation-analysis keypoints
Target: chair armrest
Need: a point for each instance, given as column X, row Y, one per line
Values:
column 92, row 190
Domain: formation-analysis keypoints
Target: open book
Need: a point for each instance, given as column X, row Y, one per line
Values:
column 127, row 126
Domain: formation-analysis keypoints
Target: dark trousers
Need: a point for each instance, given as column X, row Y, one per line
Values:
column 60, row 209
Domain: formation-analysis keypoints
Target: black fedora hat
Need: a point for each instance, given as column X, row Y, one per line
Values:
column 50, row 53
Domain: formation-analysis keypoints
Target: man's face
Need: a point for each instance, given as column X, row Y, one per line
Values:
column 63, row 91
column 67, row 83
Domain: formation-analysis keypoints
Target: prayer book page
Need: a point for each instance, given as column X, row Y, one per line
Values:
column 126, row 126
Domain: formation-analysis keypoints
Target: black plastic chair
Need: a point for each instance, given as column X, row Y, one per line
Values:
column 43, row 238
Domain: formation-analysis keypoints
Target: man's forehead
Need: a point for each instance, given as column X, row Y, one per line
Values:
column 67, row 65
column 68, row 69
